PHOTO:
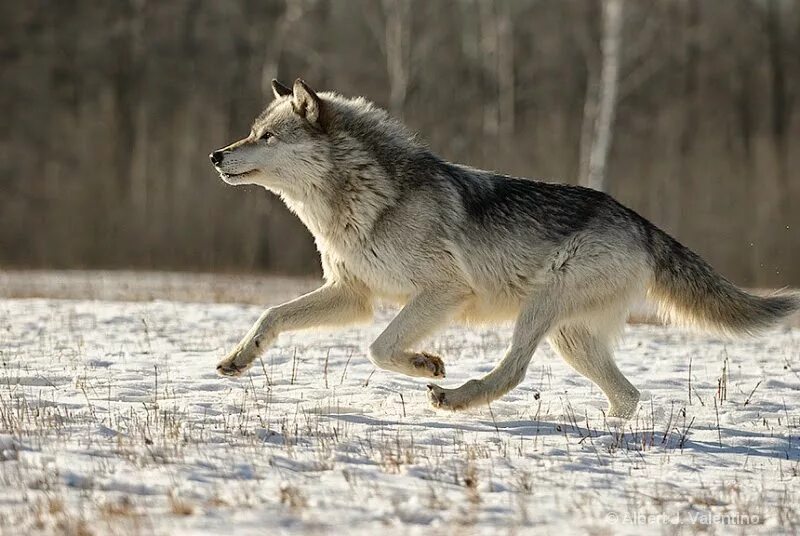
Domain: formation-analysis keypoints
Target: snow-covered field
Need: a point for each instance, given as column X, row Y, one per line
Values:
column 112, row 420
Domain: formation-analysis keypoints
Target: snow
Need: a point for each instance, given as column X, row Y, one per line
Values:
column 113, row 420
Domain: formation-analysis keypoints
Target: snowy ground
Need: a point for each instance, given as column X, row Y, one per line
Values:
column 112, row 420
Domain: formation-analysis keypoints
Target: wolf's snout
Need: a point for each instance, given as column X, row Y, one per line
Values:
column 216, row 157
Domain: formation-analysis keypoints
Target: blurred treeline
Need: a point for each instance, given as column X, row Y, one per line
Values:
column 110, row 108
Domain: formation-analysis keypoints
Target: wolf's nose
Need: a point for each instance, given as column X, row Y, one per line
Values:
column 216, row 157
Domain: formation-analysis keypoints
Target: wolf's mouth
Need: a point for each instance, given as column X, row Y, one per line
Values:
column 226, row 175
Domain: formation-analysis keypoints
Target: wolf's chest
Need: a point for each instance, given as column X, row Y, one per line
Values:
column 383, row 269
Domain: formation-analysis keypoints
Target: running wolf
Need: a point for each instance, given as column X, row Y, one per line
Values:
column 394, row 221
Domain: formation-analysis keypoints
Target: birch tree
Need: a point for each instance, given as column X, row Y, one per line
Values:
column 292, row 13
column 603, row 114
column 497, row 51
column 390, row 24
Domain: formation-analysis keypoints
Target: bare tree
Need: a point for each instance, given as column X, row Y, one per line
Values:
column 398, row 51
column 602, row 132
column 391, row 27
column 497, row 51
column 506, row 79
column 293, row 11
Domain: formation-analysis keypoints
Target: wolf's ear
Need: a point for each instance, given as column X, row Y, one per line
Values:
column 306, row 102
column 279, row 90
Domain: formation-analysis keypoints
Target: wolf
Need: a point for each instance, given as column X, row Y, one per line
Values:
column 451, row 243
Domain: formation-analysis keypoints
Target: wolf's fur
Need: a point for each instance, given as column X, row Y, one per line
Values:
column 392, row 220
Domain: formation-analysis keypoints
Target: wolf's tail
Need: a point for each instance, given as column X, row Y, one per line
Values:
column 690, row 292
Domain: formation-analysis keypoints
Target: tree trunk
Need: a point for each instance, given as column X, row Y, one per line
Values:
column 397, row 35
column 588, row 121
column 607, row 97
column 690, row 15
column 293, row 11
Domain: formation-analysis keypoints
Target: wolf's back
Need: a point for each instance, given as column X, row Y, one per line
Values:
column 689, row 291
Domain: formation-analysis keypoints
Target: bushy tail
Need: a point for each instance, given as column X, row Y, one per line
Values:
column 689, row 291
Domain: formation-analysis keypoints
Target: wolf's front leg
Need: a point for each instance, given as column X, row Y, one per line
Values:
column 331, row 305
column 424, row 314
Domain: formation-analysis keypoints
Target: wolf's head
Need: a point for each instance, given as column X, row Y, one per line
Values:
column 286, row 150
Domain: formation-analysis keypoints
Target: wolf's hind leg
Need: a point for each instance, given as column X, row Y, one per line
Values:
column 589, row 352
column 421, row 316
column 532, row 325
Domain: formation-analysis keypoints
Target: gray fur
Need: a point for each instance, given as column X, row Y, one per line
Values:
column 451, row 243
column 690, row 291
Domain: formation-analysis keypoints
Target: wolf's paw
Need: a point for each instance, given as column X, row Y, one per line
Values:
column 233, row 365
column 437, row 396
column 428, row 365
column 623, row 413
column 447, row 399
column 468, row 395
column 625, row 406
column 229, row 369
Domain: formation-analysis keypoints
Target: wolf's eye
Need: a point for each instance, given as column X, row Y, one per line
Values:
column 266, row 136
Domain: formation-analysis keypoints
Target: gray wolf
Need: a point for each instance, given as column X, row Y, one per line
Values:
column 394, row 221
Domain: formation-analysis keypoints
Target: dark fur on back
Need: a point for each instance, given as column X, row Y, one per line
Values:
column 550, row 210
